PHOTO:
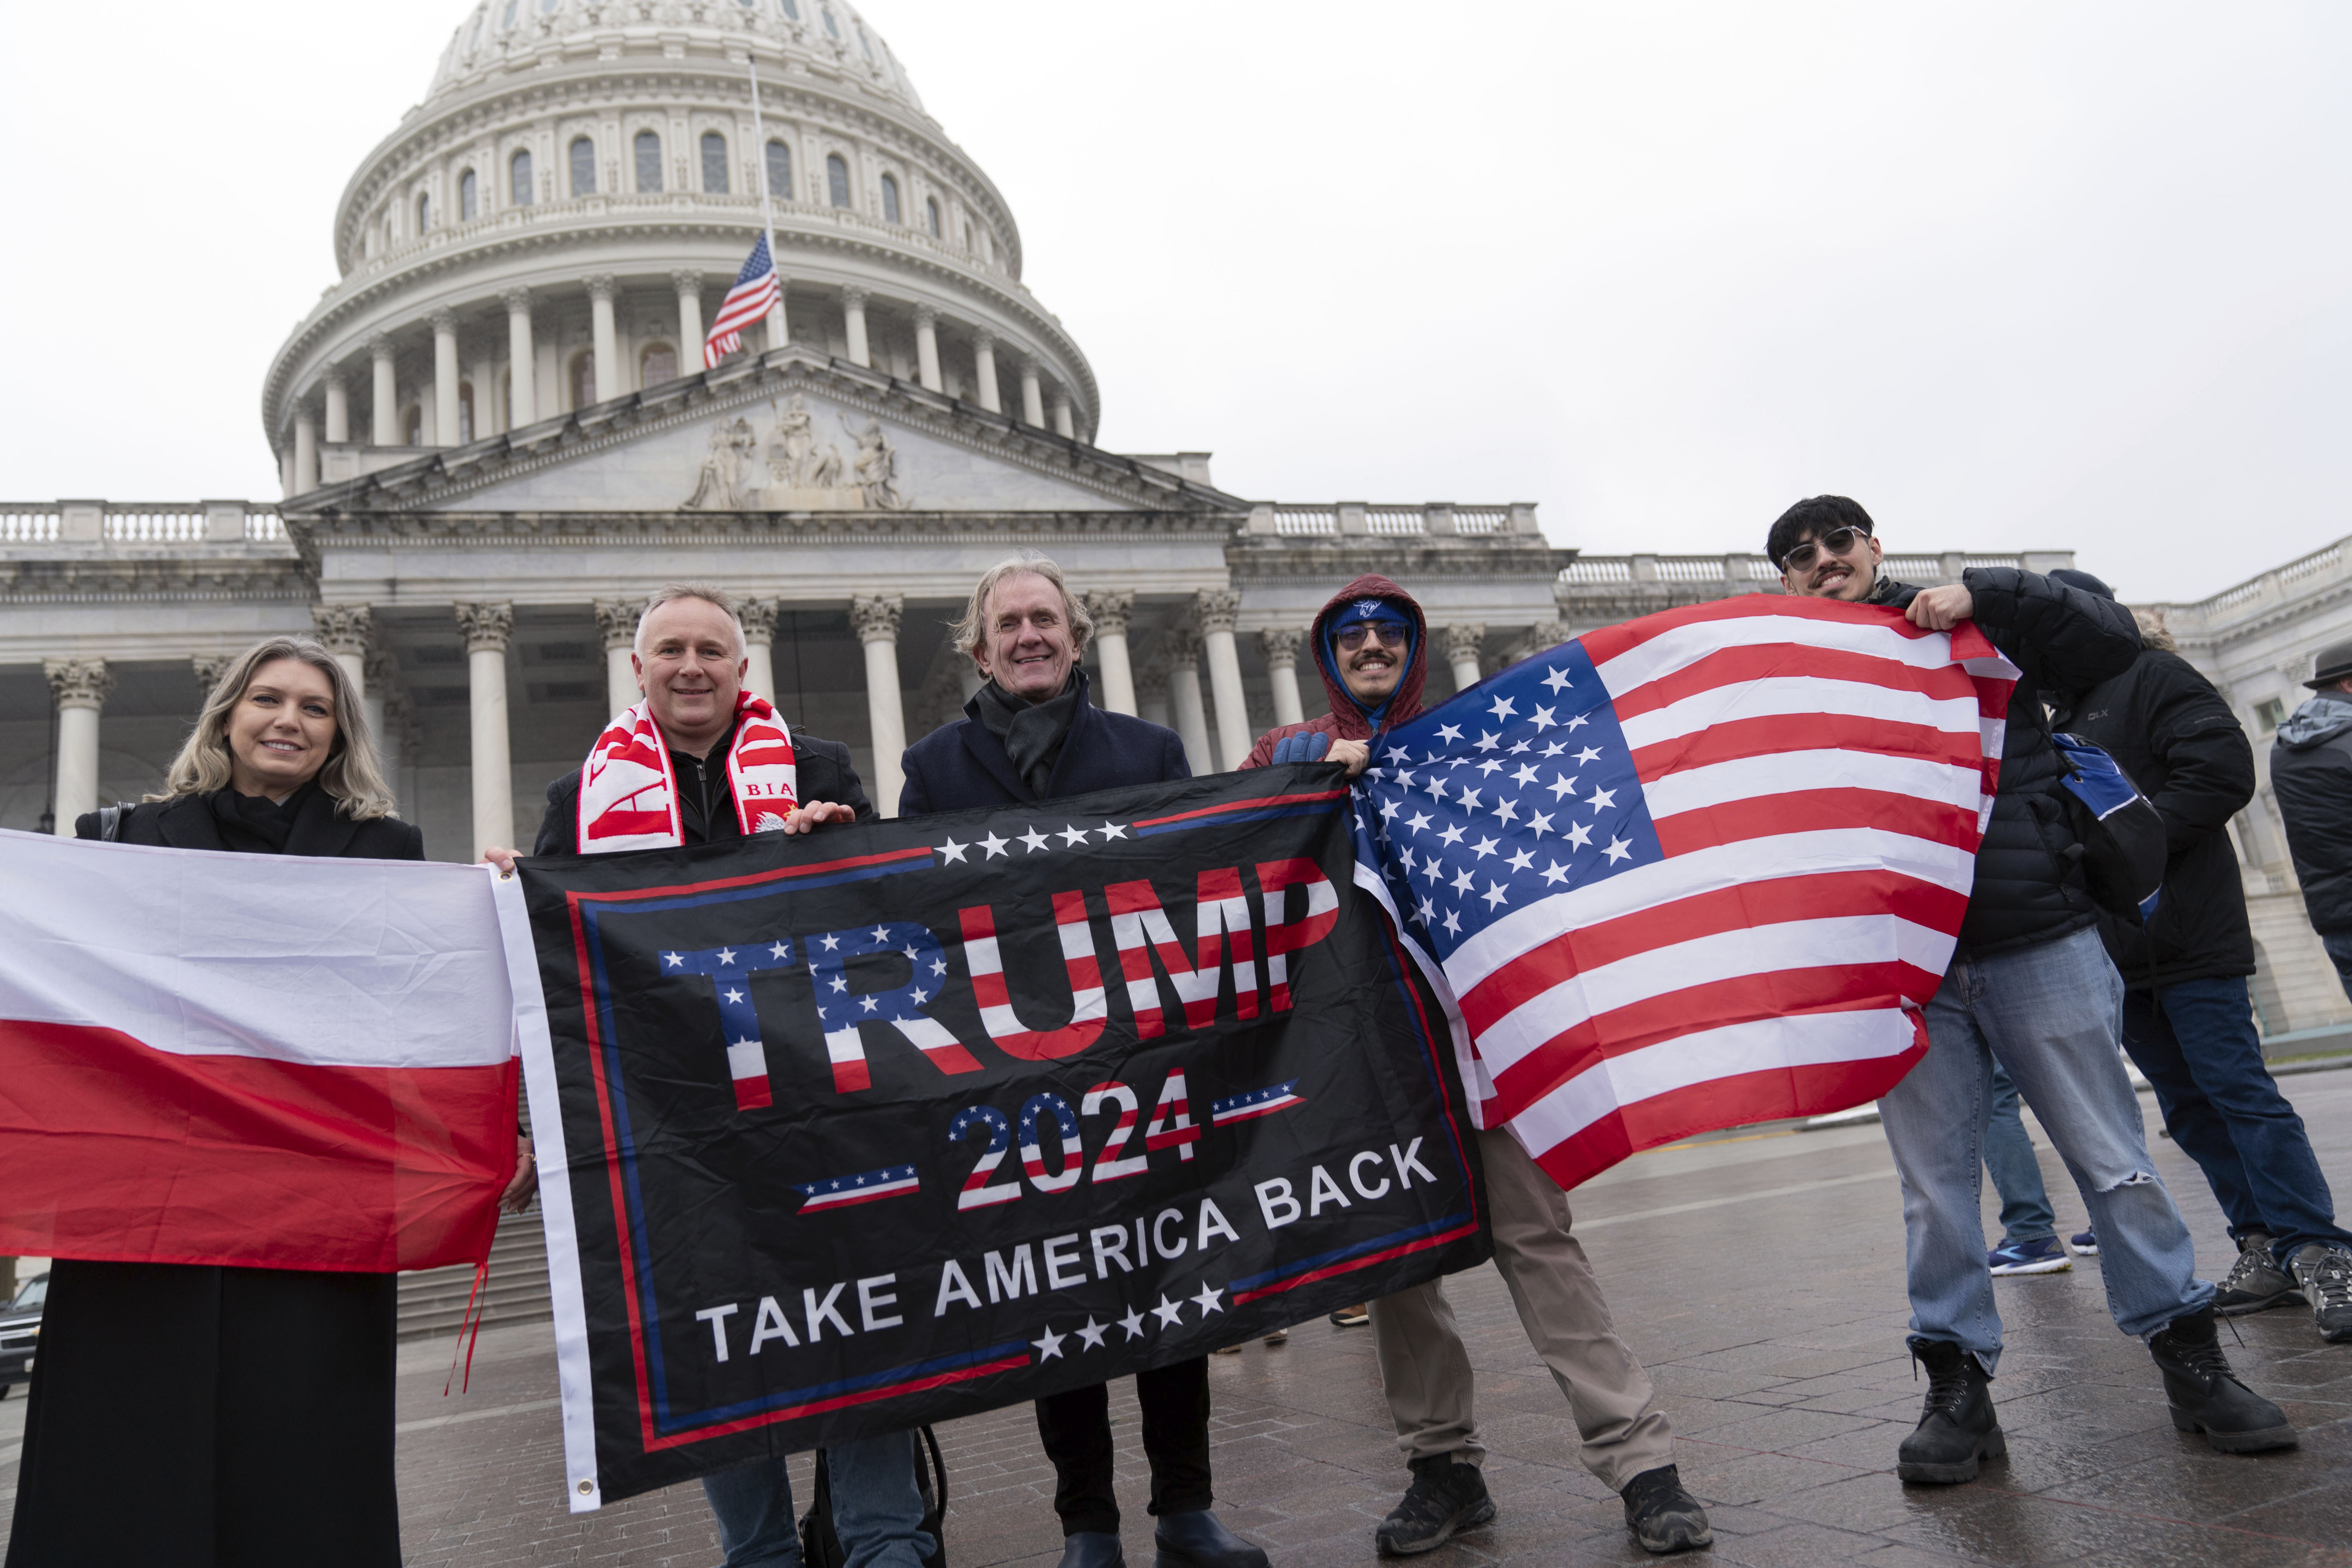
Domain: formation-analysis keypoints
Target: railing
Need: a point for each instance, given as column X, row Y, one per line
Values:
column 139, row 522
column 29, row 522
column 1393, row 520
column 1743, row 571
column 160, row 524
column 1481, row 519
column 2277, row 583
column 1301, row 520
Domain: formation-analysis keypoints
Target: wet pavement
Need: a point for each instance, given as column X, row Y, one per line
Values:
column 1760, row 1278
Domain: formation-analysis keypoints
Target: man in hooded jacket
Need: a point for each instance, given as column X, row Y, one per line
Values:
column 2311, row 775
column 1370, row 646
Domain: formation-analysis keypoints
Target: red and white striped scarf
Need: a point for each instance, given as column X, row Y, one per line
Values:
column 629, row 795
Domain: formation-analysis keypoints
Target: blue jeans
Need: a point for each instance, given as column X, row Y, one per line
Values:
column 2048, row 1014
column 2025, row 1212
column 876, row 1511
column 2339, row 952
column 2197, row 1044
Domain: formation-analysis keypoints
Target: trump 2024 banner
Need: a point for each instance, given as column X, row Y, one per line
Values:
column 895, row 1122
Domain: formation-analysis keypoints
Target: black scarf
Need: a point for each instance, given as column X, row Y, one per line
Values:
column 255, row 824
column 1031, row 733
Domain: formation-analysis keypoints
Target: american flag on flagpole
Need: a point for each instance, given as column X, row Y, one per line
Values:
column 756, row 292
column 1694, row 871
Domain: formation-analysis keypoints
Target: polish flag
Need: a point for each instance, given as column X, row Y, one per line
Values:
column 272, row 1061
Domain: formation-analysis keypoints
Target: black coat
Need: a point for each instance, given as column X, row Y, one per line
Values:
column 822, row 769
column 2311, row 776
column 2028, row 883
column 2167, row 727
column 188, row 823
column 961, row 766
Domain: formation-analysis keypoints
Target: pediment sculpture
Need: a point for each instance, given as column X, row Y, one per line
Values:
column 791, row 470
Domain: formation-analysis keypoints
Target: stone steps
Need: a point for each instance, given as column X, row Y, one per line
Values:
column 433, row 1301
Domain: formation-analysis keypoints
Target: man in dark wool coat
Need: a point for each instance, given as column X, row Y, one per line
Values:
column 1031, row 734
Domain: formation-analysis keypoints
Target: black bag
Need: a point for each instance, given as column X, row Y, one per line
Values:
column 109, row 820
column 2121, row 835
column 820, row 1548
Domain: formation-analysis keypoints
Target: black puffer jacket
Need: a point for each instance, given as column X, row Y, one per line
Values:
column 2029, row 884
column 2167, row 727
column 2311, row 774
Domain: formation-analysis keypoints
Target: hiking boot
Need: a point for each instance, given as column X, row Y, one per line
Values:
column 2256, row 1282
column 1957, row 1426
column 1444, row 1499
column 2325, row 1273
column 1663, row 1517
column 2042, row 1256
column 2207, row 1396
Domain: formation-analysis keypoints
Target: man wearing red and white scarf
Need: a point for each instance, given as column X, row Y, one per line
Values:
column 695, row 760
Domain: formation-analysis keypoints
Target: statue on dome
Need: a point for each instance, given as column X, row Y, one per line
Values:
column 720, row 486
column 876, row 466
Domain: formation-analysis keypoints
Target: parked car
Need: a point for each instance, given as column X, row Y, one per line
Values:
column 20, row 1333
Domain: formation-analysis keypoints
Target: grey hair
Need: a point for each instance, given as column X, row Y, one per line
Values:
column 971, row 634
column 710, row 593
column 351, row 773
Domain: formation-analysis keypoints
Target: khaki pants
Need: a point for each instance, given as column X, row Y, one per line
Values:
column 1426, row 1371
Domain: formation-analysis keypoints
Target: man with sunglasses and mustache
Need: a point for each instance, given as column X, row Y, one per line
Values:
column 1370, row 646
column 2030, row 985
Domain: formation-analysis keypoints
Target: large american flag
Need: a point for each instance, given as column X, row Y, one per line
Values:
column 1694, row 871
column 757, row 290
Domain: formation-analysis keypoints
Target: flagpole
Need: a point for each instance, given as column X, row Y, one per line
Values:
column 767, row 197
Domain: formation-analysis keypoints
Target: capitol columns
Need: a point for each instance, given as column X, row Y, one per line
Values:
column 386, row 415
column 344, row 629
column 853, row 326
column 689, row 285
column 381, row 673
column 80, row 687
column 983, row 371
column 927, row 349
column 876, row 620
column 603, row 290
column 1151, row 695
column 1462, row 645
column 338, row 407
column 1215, row 609
column 617, row 619
column 759, row 618
column 489, row 628
column 1032, row 402
column 1063, row 426
column 1111, row 611
column 306, row 451
column 445, row 377
column 1181, row 647
column 521, row 394
column 1281, row 649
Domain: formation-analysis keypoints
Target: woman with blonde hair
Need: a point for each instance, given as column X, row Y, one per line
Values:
column 208, row 1416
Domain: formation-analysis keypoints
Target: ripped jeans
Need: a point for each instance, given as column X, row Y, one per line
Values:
column 2051, row 1013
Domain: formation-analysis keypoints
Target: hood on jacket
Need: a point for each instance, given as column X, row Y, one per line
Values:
column 1356, row 721
column 2317, row 721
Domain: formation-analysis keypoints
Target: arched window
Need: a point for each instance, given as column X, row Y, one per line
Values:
column 791, row 9
column 464, row 412
column 889, row 198
column 548, row 7
column 424, row 213
column 779, row 171
column 506, row 21
column 831, row 31
column 657, row 364
column 469, row 196
column 648, row 147
column 583, row 167
column 519, row 179
column 931, row 207
column 714, row 163
column 863, row 45
column 583, row 378
column 837, row 179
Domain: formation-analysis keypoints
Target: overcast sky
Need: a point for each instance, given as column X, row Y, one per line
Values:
column 2014, row 275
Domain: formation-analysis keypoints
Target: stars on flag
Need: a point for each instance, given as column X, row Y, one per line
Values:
column 1140, row 1323
column 992, row 848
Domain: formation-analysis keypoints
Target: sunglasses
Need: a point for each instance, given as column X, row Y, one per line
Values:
column 1836, row 541
column 1392, row 634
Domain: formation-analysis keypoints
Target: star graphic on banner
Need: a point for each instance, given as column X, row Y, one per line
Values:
column 1589, row 755
column 1489, row 767
column 1447, row 732
column 1453, row 835
column 1090, row 1338
column 1619, row 850
column 952, row 850
column 744, row 1044
column 1388, row 808
column 781, row 950
column 1207, row 1299
column 1555, row 748
column 1495, row 896
column 1555, row 872
column 1452, row 923
column 726, row 955
column 939, row 966
column 918, row 997
column 1397, row 754
column 1462, row 882
column 839, row 983
column 1050, row 1347
column 1541, row 719
column 1111, row 830
column 1580, row 722
column 1406, row 859
column 1170, row 1313
column 1133, row 1323
column 734, row 995
column 1579, row 836
column 1559, row 680
column 1563, row 784
column 911, row 954
column 1489, row 740
column 994, row 845
column 1034, row 839
column 1424, row 911
column 1403, row 779
column 1523, row 859
column 831, row 941
column 1436, row 787
column 1601, row 799
column 1518, row 746
column 1072, row 837
column 1417, row 821
column 1503, row 709
column 1467, row 800
column 674, row 960
column 1486, row 847
column 1507, row 811
column 1540, row 824
column 868, row 1002
column 881, row 935
column 1525, row 774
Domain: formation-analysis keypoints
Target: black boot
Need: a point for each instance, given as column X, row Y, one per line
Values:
column 2207, row 1397
column 1959, row 1427
column 1663, row 1517
column 1092, row 1549
column 1444, row 1499
column 1196, row 1540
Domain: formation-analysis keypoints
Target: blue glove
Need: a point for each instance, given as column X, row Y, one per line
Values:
column 1307, row 746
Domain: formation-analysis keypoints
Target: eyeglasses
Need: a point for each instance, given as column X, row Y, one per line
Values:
column 1836, row 541
column 1392, row 634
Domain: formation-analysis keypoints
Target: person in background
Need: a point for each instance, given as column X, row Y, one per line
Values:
column 2310, row 777
column 2028, row 1226
column 730, row 768
column 217, row 1417
column 1030, row 733
column 1370, row 646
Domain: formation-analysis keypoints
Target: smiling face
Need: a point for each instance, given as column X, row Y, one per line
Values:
column 1829, row 573
column 1025, row 645
column 281, row 731
column 690, row 668
column 1371, row 669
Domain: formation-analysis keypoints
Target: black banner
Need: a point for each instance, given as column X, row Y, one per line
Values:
column 897, row 1122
